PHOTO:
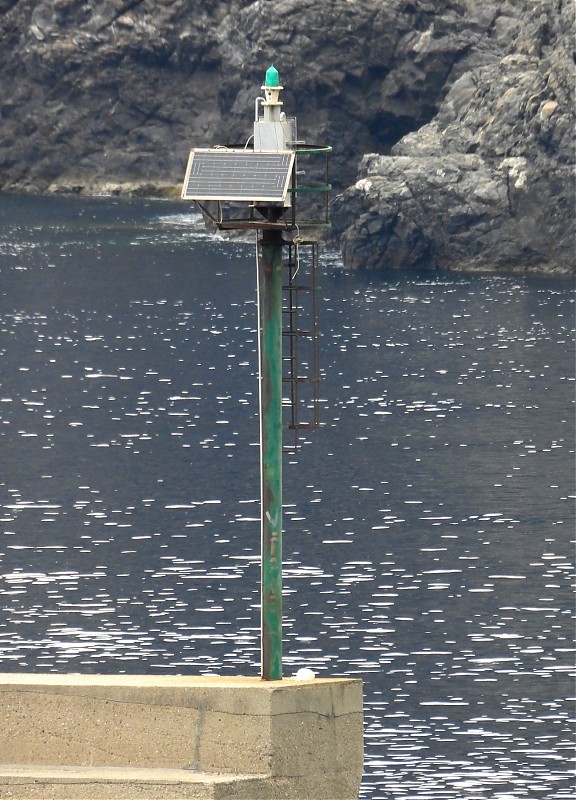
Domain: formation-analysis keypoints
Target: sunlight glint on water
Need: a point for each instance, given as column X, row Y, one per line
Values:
column 427, row 523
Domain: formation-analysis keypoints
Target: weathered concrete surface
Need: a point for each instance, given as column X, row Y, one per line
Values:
column 124, row 783
column 281, row 739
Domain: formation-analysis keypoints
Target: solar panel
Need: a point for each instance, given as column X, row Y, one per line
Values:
column 223, row 174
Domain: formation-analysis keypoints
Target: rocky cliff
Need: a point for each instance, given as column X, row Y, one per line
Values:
column 488, row 183
column 465, row 106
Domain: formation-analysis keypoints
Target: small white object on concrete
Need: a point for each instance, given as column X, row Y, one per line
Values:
column 305, row 674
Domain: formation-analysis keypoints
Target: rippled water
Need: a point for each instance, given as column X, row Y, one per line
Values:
column 428, row 525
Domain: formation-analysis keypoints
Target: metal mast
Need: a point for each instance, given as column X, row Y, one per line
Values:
column 260, row 188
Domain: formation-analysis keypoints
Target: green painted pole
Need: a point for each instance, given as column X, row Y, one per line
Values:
column 270, row 278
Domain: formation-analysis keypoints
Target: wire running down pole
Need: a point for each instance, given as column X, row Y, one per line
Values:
column 270, row 323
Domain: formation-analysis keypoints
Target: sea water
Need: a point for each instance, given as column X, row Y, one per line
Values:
column 428, row 524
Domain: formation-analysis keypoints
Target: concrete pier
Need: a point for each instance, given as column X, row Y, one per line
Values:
column 87, row 737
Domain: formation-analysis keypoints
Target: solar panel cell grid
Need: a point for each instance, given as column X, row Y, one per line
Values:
column 238, row 175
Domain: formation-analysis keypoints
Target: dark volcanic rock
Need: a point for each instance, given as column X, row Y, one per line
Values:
column 489, row 183
column 108, row 95
column 458, row 212
column 94, row 93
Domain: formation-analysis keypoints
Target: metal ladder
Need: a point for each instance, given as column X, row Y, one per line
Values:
column 300, row 339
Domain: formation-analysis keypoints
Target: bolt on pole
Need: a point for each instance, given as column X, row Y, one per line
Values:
column 270, row 324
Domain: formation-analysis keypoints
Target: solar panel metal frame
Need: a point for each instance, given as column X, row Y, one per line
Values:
column 238, row 175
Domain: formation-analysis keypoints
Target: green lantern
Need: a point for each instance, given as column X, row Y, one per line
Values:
column 272, row 77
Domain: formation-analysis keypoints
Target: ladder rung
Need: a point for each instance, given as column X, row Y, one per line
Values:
column 300, row 344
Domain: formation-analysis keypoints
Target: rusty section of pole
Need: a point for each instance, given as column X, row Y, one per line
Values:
column 270, row 278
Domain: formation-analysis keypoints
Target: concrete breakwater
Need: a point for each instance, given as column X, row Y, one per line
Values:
column 90, row 737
